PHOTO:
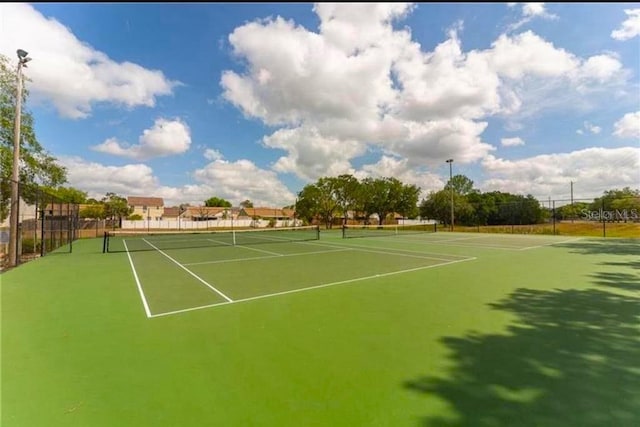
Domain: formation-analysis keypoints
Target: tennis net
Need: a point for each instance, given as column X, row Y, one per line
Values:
column 349, row 231
column 129, row 241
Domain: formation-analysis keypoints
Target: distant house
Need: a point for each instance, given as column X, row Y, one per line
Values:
column 25, row 211
column 171, row 213
column 206, row 213
column 147, row 207
column 267, row 213
column 289, row 213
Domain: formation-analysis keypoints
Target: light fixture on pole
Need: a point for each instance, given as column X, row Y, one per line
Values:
column 450, row 161
column 15, row 176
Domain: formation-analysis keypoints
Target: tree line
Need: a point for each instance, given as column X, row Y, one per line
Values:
column 330, row 199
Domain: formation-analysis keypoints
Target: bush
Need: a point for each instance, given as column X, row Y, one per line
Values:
column 30, row 245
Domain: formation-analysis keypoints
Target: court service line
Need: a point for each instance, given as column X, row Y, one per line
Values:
column 444, row 243
column 190, row 272
column 342, row 282
column 388, row 251
column 223, row 261
column 259, row 250
column 135, row 275
column 245, row 247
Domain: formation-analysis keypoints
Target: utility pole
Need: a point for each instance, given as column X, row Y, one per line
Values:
column 571, row 193
column 450, row 161
column 572, row 213
column 15, row 175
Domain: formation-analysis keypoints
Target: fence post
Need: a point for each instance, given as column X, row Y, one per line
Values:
column 553, row 217
column 604, row 226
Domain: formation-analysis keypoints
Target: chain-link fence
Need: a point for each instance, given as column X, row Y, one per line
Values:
column 601, row 217
column 45, row 223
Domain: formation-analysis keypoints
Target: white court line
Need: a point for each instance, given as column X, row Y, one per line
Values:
column 431, row 240
column 444, row 243
column 342, row 282
column 135, row 275
column 223, row 261
column 245, row 247
column 551, row 244
column 190, row 272
column 219, row 241
column 259, row 250
column 505, row 247
column 388, row 250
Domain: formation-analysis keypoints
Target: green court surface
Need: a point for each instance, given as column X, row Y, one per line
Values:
column 431, row 329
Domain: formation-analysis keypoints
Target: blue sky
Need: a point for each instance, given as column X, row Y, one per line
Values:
column 254, row 101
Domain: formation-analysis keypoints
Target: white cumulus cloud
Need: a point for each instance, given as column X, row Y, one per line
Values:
column 335, row 94
column 212, row 154
column 389, row 166
column 593, row 170
column 530, row 11
column 511, row 142
column 630, row 27
column 165, row 138
column 628, row 126
column 242, row 179
column 98, row 179
column 69, row 73
column 233, row 181
column 589, row 127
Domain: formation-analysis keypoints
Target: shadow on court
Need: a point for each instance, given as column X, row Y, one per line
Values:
column 571, row 359
column 604, row 246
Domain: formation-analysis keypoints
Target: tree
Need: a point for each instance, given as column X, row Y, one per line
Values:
column 383, row 196
column 408, row 201
column 217, row 202
column 437, row 205
column 461, row 185
column 94, row 210
column 307, row 206
column 346, row 193
column 483, row 206
column 69, row 194
column 36, row 164
column 618, row 200
column 327, row 199
column 116, row 207
column 246, row 204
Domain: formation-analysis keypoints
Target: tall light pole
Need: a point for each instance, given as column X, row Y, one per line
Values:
column 450, row 161
column 15, row 176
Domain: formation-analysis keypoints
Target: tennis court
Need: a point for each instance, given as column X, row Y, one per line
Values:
column 320, row 329
column 179, row 272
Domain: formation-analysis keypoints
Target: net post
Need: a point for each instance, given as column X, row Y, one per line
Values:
column 104, row 242
column 233, row 234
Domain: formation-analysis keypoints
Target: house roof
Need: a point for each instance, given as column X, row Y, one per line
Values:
column 196, row 211
column 266, row 212
column 171, row 212
column 145, row 201
column 289, row 213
